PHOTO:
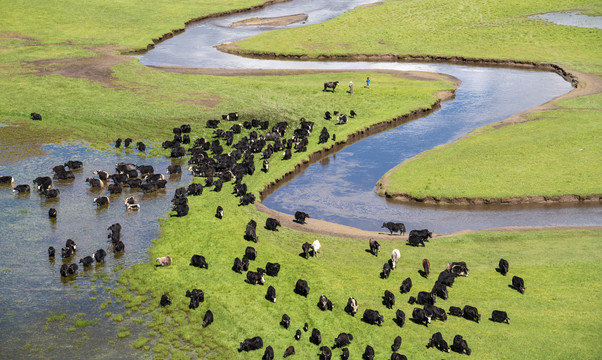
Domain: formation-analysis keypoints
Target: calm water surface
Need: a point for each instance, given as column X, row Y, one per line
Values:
column 571, row 18
column 32, row 287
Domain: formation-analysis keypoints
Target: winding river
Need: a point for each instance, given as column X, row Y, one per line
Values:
column 345, row 181
column 340, row 188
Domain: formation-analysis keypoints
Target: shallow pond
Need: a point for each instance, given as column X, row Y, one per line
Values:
column 571, row 18
column 32, row 287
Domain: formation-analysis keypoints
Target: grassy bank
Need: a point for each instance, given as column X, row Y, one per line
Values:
column 558, row 152
column 477, row 29
column 553, row 299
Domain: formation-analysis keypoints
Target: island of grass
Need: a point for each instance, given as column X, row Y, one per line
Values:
column 549, row 159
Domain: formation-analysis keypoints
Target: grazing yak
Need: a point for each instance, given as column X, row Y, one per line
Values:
column 406, row 286
column 324, row 303
column 394, row 227
column 456, row 311
column 396, row 344
column 437, row 341
column 250, row 253
column 272, row 269
column 426, row 298
column 519, row 284
column 500, row 316
column 426, row 266
column 255, row 278
column 305, row 247
column 460, row 346
column 471, row 313
column 436, row 312
column 165, row 300
column 415, row 240
column 271, row 294
column 389, row 299
column 199, row 261
column 35, row 116
column 164, row 261
column 268, row 354
column 316, row 337
column 395, row 255
column 368, row 353
column 219, row 212
column 503, row 267
column 272, row 224
column 302, row 288
column 300, row 217
column 196, row 296
column 440, row 290
column 316, row 247
column 386, row 271
column 326, row 353
column 289, row 351
column 372, row 317
column 374, row 246
column 400, row 318
column 297, row 334
column 421, row 316
column 342, row 340
column 351, row 307
column 286, row 321
column 251, row 344
column 330, row 85
column 458, row 268
column 250, row 233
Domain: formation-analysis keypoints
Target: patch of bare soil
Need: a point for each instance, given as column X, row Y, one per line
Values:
column 271, row 21
column 96, row 68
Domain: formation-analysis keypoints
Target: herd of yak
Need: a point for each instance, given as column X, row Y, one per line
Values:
column 210, row 160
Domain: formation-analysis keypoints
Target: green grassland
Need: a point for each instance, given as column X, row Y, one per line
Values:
column 489, row 29
column 561, row 300
column 558, row 152
column 81, row 109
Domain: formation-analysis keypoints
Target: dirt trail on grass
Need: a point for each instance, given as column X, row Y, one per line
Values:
column 96, row 68
column 320, row 227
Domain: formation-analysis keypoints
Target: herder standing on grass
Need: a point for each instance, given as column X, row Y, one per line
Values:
column 368, row 82
column 351, row 87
